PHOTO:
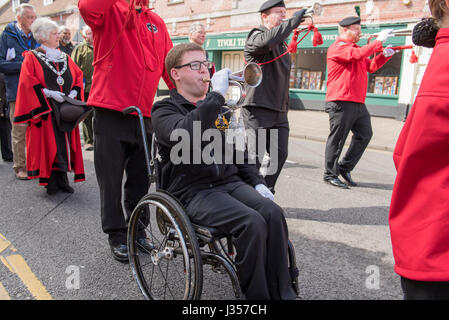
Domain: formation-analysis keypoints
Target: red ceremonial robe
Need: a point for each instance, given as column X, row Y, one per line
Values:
column 419, row 211
column 33, row 108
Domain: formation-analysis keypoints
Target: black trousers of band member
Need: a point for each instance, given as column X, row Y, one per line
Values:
column 345, row 117
column 118, row 150
column 5, row 139
column 424, row 290
column 260, row 236
column 272, row 122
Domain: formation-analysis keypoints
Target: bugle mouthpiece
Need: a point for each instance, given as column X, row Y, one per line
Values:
column 205, row 80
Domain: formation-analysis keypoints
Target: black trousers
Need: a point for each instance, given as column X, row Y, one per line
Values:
column 345, row 117
column 272, row 122
column 118, row 150
column 5, row 139
column 259, row 232
column 424, row 290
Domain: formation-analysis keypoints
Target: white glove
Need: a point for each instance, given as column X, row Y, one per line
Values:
column 73, row 94
column 385, row 34
column 10, row 54
column 389, row 52
column 220, row 81
column 58, row 96
column 264, row 191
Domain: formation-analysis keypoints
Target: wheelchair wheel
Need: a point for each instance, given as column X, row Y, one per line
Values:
column 171, row 267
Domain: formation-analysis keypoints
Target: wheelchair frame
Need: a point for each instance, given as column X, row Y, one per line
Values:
column 176, row 236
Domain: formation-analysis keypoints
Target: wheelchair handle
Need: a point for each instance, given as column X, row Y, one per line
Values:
column 136, row 109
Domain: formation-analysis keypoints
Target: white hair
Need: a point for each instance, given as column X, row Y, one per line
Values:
column 62, row 28
column 85, row 29
column 42, row 27
column 22, row 7
column 195, row 26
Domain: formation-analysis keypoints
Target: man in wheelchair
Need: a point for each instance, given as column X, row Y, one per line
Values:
column 226, row 195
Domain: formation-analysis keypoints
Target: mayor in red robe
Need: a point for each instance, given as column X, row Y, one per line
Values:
column 53, row 147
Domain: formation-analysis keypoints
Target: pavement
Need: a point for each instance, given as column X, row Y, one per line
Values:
column 314, row 125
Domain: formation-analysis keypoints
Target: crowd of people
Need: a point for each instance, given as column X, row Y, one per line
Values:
column 50, row 87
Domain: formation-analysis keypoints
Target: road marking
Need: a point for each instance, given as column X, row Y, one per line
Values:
column 3, row 294
column 21, row 268
column 4, row 243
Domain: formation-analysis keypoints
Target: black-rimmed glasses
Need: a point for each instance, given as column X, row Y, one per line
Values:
column 196, row 65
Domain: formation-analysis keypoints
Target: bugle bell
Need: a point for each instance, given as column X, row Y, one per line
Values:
column 250, row 76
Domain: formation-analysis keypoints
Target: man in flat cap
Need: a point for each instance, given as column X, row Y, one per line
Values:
column 347, row 83
column 266, row 106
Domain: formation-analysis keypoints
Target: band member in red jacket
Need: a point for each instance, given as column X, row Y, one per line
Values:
column 347, row 83
column 130, row 45
column 419, row 211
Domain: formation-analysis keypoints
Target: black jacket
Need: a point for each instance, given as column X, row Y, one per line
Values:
column 263, row 45
column 184, row 180
column 13, row 37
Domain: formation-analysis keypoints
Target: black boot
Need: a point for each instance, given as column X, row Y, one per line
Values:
column 63, row 182
column 52, row 186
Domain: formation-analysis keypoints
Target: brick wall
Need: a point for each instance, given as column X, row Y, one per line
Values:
column 241, row 15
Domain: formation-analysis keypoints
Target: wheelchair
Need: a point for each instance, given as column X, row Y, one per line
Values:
column 172, row 268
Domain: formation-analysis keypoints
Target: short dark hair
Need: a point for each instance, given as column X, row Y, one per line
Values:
column 175, row 55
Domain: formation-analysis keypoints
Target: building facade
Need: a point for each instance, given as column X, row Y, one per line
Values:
column 391, row 89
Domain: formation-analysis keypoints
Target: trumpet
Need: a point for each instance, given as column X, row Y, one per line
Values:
column 250, row 76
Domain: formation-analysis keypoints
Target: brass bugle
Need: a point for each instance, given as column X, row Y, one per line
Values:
column 250, row 76
column 396, row 33
column 315, row 10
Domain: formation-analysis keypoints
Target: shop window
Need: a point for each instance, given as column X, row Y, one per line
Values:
column 386, row 80
column 309, row 70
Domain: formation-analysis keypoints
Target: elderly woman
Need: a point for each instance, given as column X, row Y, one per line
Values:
column 419, row 212
column 46, row 77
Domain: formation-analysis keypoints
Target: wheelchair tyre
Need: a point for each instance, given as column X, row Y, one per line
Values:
column 171, row 269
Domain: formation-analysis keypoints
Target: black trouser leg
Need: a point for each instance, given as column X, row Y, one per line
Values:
column 362, row 134
column 118, row 149
column 5, row 139
column 278, row 155
column 341, row 118
column 424, row 290
column 259, row 232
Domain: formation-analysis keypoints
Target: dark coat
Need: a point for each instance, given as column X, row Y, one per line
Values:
column 263, row 45
column 13, row 37
column 185, row 180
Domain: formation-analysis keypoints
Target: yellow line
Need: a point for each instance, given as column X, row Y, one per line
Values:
column 3, row 294
column 2, row 259
column 21, row 268
column 3, row 243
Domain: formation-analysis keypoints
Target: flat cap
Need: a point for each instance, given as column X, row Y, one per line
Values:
column 271, row 4
column 349, row 21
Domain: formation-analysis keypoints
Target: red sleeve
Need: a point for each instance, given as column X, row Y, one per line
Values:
column 31, row 102
column 376, row 63
column 93, row 11
column 168, row 46
column 345, row 52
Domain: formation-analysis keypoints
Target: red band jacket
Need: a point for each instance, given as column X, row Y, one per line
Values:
column 35, row 110
column 419, row 211
column 347, row 66
column 129, row 61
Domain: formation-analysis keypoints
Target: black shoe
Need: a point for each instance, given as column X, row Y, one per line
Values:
column 7, row 159
column 120, row 252
column 336, row 183
column 145, row 246
column 66, row 188
column 51, row 190
column 347, row 176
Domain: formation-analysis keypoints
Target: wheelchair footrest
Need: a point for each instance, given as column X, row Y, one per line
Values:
column 207, row 234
